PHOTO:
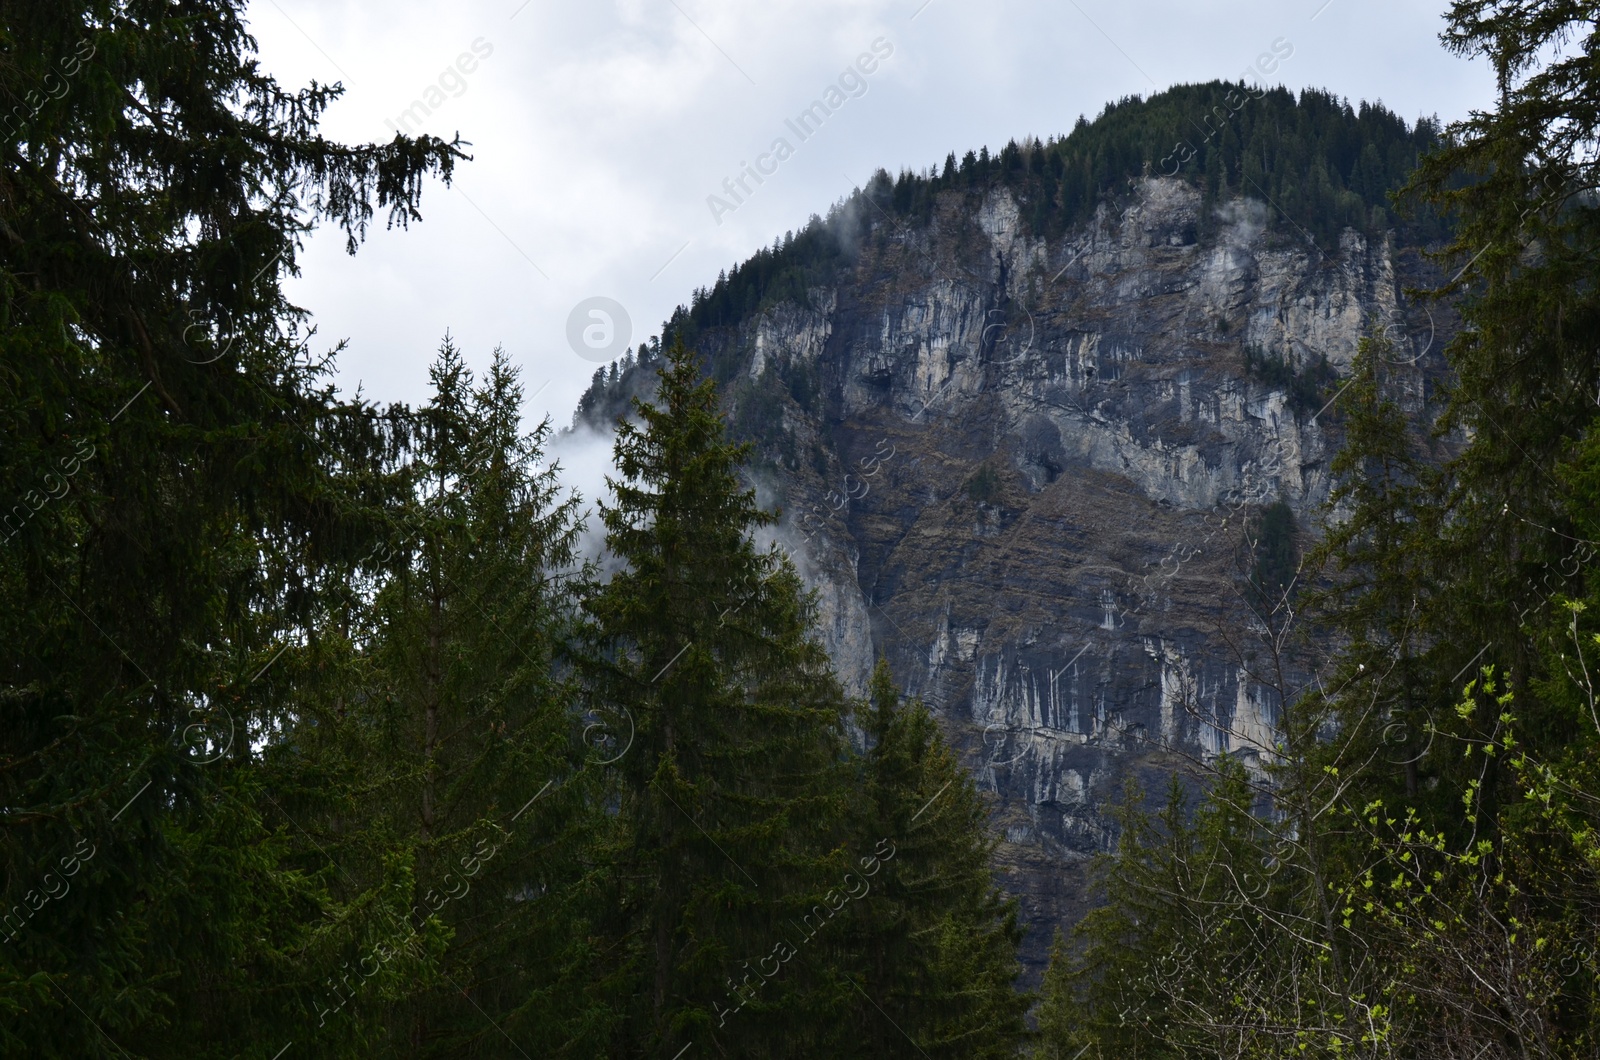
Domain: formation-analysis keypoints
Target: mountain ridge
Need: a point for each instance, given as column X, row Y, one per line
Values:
column 1025, row 457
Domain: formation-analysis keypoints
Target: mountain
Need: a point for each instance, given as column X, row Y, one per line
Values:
column 1048, row 426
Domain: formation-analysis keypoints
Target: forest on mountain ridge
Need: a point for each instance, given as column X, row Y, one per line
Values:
column 1323, row 164
column 323, row 733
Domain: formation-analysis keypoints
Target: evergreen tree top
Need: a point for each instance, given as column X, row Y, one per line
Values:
column 674, row 463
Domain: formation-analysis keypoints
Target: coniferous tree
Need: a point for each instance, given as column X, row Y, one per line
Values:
column 939, row 940
column 465, row 743
column 1519, row 176
column 1207, row 944
column 167, row 495
column 1476, row 563
column 1455, row 828
column 1105, row 990
column 731, row 796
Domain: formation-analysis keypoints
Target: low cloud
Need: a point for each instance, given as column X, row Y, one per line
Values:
column 584, row 458
column 1243, row 220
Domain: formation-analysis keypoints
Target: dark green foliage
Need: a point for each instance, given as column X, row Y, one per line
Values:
column 731, row 793
column 1320, row 164
column 771, row 893
column 169, row 498
column 1215, row 939
column 759, row 411
column 1276, row 560
column 1439, row 771
column 1308, row 386
column 983, row 485
column 592, row 396
column 804, row 386
column 783, row 273
column 613, row 388
column 819, row 460
column 300, row 701
column 296, row 753
column 1111, row 964
column 1377, row 590
column 1528, row 376
column 938, row 940
column 461, row 747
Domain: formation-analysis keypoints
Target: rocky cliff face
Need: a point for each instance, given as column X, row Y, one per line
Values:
column 1032, row 468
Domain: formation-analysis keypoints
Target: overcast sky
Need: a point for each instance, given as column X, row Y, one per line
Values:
column 601, row 127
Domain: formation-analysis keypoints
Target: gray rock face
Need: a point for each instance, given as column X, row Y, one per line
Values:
column 1037, row 460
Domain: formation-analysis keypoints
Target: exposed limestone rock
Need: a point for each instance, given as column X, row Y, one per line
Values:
column 1039, row 459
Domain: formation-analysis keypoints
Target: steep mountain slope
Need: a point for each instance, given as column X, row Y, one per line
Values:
column 1025, row 446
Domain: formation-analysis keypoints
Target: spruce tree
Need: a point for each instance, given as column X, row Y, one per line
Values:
column 1207, row 941
column 732, row 794
column 461, row 749
column 1105, row 991
column 938, row 938
column 1523, row 272
column 167, row 498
